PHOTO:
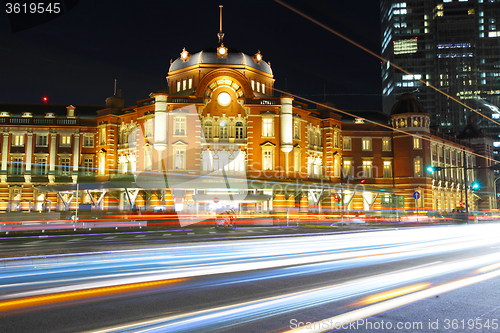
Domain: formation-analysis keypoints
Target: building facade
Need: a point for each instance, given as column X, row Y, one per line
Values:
column 218, row 137
column 452, row 45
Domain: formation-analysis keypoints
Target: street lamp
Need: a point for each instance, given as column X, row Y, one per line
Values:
column 495, row 186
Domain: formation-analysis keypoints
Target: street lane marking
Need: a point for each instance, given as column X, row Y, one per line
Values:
column 75, row 240
column 111, row 237
column 140, row 236
column 212, row 232
column 190, row 233
column 35, row 242
column 167, row 235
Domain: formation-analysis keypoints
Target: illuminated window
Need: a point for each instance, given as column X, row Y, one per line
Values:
column 148, row 158
column 190, row 83
column 417, row 167
column 223, row 130
column 253, row 85
column 180, row 126
column 180, row 159
column 366, row 144
column 267, row 127
column 387, row 169
column 268, row 158
column 367, row 169
column 258, row 87
column 263, row 88
column 184, row 84
column 102, row 136
column 296, row 129
column 18, row 140
column 346, row 143
column 336, row 139
column 149, row 128
column 386, row 144
column 417, row 143
column 347, row 168
column 178, row 86
column 296, row 160
column 208, row 130
column 65, row 140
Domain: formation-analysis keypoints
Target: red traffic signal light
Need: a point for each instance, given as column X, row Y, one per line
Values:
column 336, row 197
column 362, row 181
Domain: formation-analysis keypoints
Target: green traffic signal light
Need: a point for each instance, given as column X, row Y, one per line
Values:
column 476, row 186
column 431, row 169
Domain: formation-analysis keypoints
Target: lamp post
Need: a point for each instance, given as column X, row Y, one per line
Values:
column 495, row 186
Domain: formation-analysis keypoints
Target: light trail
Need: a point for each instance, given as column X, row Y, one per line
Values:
column 345, row 319
column 227, row 316
column 27, row 287
column 33, row 301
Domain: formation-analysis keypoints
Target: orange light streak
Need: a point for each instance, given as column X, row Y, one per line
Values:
column 32, row 301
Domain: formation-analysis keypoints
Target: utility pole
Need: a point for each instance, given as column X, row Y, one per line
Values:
column 465, row 165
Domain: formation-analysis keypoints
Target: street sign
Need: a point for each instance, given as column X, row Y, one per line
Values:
column 416, row 195
column 216, row 199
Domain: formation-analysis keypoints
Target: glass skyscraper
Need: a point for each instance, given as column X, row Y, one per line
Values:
column 452, row 45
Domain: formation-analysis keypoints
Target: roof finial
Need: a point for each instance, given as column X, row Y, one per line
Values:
column 220, row 34
column 115, row 88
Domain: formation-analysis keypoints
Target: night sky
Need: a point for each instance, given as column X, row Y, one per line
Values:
column 75, row 58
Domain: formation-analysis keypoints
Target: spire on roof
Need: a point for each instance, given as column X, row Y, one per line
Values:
column 220, row 34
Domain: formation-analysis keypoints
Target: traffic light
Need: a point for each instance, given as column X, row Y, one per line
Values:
column 432, row 169
column 362, row 181
column 476, row 186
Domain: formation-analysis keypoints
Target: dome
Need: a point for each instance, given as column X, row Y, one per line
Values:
column 209, row 56
column 407, row 103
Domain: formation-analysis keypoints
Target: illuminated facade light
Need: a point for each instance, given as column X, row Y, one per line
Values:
column 185, row 55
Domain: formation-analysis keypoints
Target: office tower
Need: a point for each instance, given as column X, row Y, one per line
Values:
column 452, row 45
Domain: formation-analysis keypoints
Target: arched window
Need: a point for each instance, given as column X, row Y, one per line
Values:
column 239, row 130
column 207, row 130
column 223, row 132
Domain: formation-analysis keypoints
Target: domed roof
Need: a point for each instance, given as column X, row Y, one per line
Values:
column 209, row 56
column 407, row 103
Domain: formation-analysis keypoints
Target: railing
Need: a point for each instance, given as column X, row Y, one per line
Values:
column 42, row 121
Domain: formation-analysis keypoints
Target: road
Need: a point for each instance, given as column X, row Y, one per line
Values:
column 13, row 246
column 402, row 277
